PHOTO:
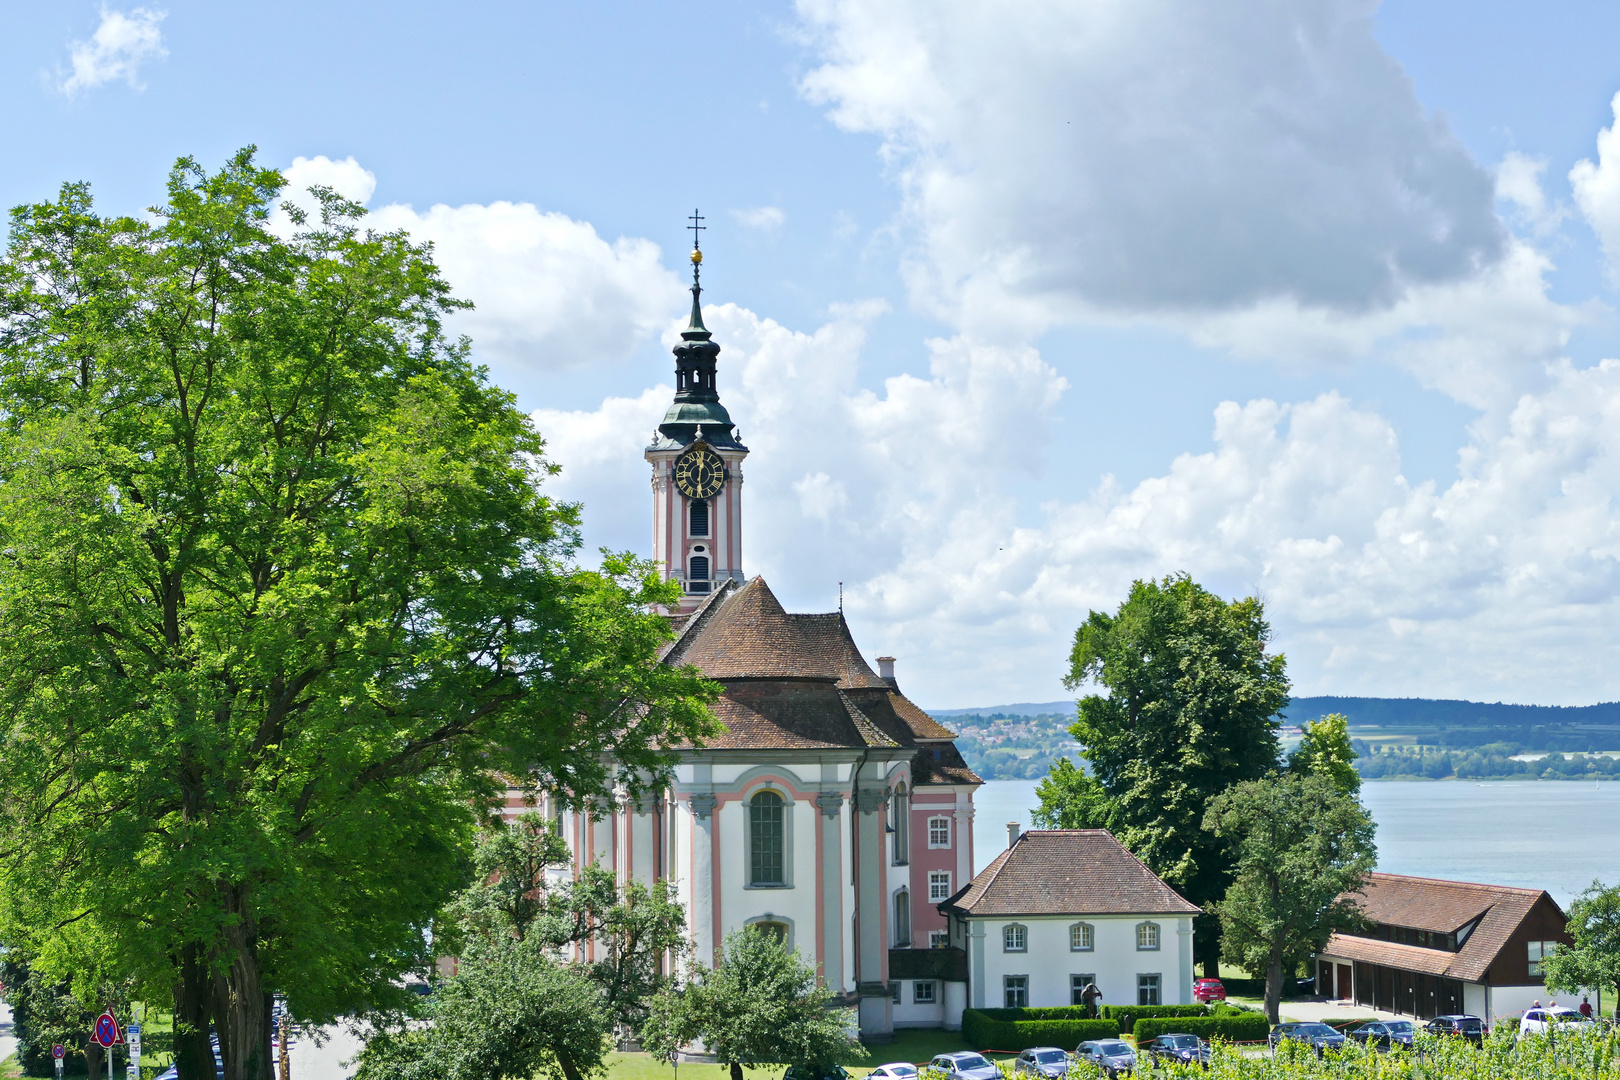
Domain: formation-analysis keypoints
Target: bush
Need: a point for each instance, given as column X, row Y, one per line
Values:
column 1128, row 1015
column 1251, row 1027
column 1006, row 1029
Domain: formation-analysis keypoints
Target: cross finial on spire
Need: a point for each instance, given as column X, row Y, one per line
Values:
column 697, row 248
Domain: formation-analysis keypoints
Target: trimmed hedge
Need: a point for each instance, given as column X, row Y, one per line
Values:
column 1003, row 1029
column 1128, row 1015
column 1251, row 1028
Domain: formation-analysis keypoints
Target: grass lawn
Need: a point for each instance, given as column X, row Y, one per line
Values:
column 10, row 1068
column 914, row 1045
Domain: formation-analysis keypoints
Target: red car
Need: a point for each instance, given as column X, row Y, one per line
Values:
column 1208, row 990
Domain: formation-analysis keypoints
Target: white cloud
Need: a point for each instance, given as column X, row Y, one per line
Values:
column 1597, row 189
column 764, row 218
column 121, row 43
column 1518, row 183
column 1259, row 176
column 549, row 292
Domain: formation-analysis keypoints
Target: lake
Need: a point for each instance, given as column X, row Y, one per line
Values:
column 1539, row 834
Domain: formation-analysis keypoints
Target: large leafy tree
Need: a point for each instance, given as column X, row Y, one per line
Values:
column 1302, row 845
column 1189, row 709
column 1593, row 960
column 284, row 607
column 760, row 1004
column 1325, row 750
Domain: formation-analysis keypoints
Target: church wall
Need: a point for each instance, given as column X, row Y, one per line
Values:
column 796, row 903
column 931, row 801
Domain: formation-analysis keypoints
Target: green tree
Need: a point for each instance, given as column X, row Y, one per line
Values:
column 1072, row 799
column 1302, row 845
column 1189, row 709
column 1593, row 960
column 510, row 1012
column 760, row 1004
column 1326, row 751
column 283, row 605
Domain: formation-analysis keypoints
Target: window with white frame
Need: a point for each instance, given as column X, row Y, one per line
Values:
column 922, row 992
column 1016, row 991
column 1539, row 951
column 1014, row 938
column 1082, row 937
column 1147, row 936
column 939, row 885
column 1147, row 989
column 894, row 992
column 1077, row 987
column 939, row 832
column 939, row 939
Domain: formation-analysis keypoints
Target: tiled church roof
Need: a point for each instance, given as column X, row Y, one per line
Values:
column 799, row 682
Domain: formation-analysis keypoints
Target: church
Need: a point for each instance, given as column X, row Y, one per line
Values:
column 831, row 810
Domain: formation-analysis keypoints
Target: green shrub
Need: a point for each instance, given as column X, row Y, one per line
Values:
column 1128, row 1015
column 1251, row 1027
column 1003, row 1029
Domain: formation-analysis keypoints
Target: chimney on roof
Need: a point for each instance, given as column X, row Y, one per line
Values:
column 1012, row 833
column 886, row 670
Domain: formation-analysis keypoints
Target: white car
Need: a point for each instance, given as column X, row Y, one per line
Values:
column 1540, row 1021
column 894, row 1070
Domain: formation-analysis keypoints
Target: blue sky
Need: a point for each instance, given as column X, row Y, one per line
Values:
column 1018, row 302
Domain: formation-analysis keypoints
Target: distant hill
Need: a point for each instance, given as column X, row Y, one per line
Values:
column 1433, row 722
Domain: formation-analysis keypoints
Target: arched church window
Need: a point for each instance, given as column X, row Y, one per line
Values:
column 777, row 930
column 902, row 919
column 700, row 517
column 698, row 574
column 765, row 839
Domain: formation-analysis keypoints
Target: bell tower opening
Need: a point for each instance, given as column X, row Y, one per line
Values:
column 696, row 461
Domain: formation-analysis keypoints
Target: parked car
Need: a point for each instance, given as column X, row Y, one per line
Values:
column 1178, row 1049
column 806, row 1072
column 1385, row 1034
column 1208, row 990
column 894, row 1070
column 963, row 1065
column 1318, row 1036
column 1461, row 1025
column 1539, row 1021
column 1042, row 1061
column 1305, row 987
column 1110, row 1056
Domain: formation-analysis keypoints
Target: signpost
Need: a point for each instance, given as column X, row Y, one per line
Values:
column 132, row 1035
column 107, row 1036
column 58, row 1052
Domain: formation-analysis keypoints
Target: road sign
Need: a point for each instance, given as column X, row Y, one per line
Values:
column 106, row 1033
column 132, row 1035
column 58, row 1051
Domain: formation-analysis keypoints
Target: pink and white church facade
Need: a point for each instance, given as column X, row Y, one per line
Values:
column 831, row 808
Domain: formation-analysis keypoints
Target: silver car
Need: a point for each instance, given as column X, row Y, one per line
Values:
column 1042, row 1061
column 1111, row 1056
column 894, row 1070
column 965, row 1065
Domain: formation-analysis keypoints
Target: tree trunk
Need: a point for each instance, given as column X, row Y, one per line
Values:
column 736, row 1071
column 241, row 1005
column 1274, row 979
column 193, row 1056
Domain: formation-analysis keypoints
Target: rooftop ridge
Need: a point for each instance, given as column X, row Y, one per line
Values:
column 1479, row 885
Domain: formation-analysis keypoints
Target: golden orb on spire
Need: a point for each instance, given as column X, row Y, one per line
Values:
column 697, row 257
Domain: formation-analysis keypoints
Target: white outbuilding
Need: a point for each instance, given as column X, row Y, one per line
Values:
column 1063, row 908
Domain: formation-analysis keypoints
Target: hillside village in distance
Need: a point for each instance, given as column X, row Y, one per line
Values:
column 1394, row 738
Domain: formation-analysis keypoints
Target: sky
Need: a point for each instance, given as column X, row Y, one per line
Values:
column 1018, row 303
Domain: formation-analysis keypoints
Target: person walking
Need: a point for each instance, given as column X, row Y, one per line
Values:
column 1586, row 1006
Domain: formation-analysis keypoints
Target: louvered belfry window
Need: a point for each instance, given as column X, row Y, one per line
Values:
column 765, row 839
column 700, row 517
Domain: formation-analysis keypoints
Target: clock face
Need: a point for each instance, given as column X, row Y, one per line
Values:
column 699, row 474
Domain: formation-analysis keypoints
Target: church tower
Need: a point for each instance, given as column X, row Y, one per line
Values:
column 697, row 466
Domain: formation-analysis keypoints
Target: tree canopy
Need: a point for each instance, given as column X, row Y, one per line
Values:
column 1593, row 960
column 1325, row 750
column 285, row 609
column 760, row 1004
column 1189, row 708
column 1301, row 845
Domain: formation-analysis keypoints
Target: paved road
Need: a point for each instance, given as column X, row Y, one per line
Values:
column 328, row 1061
column 8, row 1041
